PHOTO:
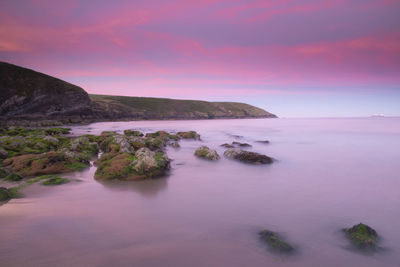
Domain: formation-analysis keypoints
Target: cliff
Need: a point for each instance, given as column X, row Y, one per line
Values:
column 35, row 99
column 124, row 107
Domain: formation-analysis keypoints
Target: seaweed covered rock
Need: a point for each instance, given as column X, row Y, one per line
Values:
column 150, row 164
column 206, row 153
column 247, row 156
column 3, row 173
column 30, row 142
column 3, row 153
column 9, row 193
column 173, row 144
column 275, row 241
column 113, row 142
column 46, row 163
column 14, row 177
column 132, row 166
column 188, row 135
column 133, row 133
column 362, row 236
column 54, row 180
column 83, row 144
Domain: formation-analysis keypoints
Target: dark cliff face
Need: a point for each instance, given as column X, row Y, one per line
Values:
column 28, row 93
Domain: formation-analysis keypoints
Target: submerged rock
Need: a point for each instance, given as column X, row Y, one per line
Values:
column 362, row 236
column 227, row 145
column 275, row 241
column 206, row 153
column 262, row 141
column 241, row 144
column 247, row 156
column 9, row 193
column 54, row 180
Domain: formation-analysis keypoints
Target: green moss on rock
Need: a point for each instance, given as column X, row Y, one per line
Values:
column 275, row 241
column 15, row 177
column 362, row 237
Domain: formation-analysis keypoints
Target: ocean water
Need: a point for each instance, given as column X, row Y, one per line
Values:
column 329, row 174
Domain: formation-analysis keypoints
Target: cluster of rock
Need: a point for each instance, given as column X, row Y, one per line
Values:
column 362, row 237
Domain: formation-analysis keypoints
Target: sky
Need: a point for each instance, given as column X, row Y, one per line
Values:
column 308, row 58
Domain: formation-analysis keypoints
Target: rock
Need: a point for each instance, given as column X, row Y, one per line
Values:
column 133, row 133
column 14, row 177
column 241, row 144
column 275, row 242
column 227, row 145
column 247, row 156
column 3, row 153
column 150, row 163
column 362, row 236
column 47, row 163
column 4, row 194
column 115, row 143
column 3, row 173
column 54, row 180
column 173, row 144
column 127, row 166
column 52, row 140
column 262, row 141
column 155, row 144
column 206, row 153
column 189, row 135
column 30, row 95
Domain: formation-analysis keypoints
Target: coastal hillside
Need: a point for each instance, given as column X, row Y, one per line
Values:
column 35, row 99
column 32, row 95
column 111, row 107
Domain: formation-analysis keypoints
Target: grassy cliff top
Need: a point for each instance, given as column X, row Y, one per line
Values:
column 166, row 106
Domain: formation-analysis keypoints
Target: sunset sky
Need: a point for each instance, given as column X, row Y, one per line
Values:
column 294, row 58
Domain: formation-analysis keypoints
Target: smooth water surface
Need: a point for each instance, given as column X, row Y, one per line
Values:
column 329, row 174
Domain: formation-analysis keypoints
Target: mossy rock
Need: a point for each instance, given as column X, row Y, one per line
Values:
column 133, row 133
column 206, row 153
column 3, row 173
column 143, row 164
column 9, row 193
column 362, row 237
column 275, row 241
column 14, row 177
column 47, row 163
column 55, row 180
column 248, row 156
column 189, row 135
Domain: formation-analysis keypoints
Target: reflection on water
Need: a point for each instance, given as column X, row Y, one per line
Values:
column 330, row 174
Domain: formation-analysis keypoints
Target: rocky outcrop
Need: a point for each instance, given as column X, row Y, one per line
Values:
column 275, row 241
column 362, row 237
column 30, row 95
column 247, row 156
column 142, row 164
column 46, row 163
column 206, row 153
